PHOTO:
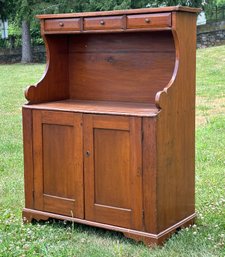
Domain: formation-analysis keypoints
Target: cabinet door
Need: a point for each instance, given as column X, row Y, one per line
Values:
column 58, row 162
column 113, row 170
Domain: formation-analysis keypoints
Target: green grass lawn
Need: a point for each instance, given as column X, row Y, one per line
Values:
column 206, row 238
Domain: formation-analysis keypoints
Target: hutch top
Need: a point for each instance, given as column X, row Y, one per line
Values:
column 132, row 56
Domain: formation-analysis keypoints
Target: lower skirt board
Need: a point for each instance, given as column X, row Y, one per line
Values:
column 148, row 238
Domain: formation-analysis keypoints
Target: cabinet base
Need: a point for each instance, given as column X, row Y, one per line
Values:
column 147, row 238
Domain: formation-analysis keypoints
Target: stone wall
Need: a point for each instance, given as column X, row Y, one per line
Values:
column 211, row 34
column 14, row 55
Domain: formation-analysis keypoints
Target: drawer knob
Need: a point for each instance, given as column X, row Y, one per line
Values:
column 102, row 22
column 61, row 24
column 147, row 20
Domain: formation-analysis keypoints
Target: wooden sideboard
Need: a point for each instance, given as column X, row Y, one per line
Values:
column 109, row 131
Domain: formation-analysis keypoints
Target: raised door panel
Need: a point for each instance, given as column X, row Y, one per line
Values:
column 113, row 165
column 58, row 165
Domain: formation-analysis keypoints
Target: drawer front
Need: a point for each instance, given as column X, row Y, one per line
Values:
column 103, row 23
column 149, row 20
column 62, row 24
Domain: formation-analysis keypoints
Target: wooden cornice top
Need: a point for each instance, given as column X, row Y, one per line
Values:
column 122, row 12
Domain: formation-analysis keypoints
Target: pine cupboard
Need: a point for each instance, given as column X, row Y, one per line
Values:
column 109, row 131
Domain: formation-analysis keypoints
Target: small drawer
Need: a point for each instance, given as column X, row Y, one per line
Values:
column 103, row 23
column 62, row 24
column 149, row 20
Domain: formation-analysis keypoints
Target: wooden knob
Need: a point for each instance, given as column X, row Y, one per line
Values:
column 88, row 153
column 61, row 24
column 102, row 22
column 147, row 20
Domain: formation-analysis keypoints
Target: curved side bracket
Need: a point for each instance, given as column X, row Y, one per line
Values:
column 161, row 97
column 32, row 91
column 53, row 85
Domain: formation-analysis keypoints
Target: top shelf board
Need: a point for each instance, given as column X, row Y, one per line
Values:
column 122, row 12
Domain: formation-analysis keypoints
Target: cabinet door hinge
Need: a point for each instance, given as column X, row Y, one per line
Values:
column 142, row 135
column 143, row 216
column 143, row 219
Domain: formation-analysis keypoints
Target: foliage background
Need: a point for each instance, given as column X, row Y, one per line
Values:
column 17, row 10
column 24, row 29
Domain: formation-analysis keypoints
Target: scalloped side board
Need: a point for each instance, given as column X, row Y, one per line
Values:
column 176, row 126
column 53, row 85
column 161, row 97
